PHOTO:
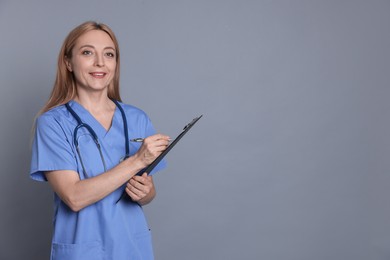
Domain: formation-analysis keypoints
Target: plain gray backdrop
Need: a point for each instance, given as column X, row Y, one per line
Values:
column 291, row 159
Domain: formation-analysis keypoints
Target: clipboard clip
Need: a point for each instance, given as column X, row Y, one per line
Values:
column 189, row 125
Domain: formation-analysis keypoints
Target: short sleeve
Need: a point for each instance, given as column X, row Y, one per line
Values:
column 148, row 132
column 51, row 149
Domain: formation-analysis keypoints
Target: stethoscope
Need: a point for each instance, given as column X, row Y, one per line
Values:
column 81, row 124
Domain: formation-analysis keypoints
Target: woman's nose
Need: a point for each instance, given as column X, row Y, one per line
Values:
column 99, row 60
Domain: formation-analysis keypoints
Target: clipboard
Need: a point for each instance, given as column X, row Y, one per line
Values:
column 151, row 166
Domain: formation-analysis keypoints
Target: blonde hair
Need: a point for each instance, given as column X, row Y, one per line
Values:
column 64, row 88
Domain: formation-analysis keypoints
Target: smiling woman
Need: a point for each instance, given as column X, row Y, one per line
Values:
column 93, row 62
column 80, row 150
column 64, row 88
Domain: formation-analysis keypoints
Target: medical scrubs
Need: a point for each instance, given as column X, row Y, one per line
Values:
column 106, row 229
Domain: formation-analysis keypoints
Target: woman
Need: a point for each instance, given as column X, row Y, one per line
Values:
column 79, row 147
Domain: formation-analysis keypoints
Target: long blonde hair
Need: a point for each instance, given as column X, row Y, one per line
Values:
column 64, row 88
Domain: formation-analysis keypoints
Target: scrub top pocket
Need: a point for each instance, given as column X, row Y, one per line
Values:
column 83, row 251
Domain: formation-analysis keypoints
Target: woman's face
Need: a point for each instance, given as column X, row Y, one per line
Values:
column 93, row 61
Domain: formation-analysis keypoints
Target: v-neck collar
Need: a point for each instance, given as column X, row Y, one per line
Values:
column 89, row 119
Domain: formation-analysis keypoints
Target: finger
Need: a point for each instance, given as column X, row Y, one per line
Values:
column 143, row 184
column 157, row 137
column 154, row 149
column 150, row 144
column 139, row 193
column 133, row 196
column 161, row 137
column 134, row 186
column 145, row 180
column 141, row 179
column 135, row 191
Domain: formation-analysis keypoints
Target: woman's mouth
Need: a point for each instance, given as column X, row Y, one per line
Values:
column 97, row 74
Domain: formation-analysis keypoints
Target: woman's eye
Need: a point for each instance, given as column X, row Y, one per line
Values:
column 110, row 54
column 87, row 52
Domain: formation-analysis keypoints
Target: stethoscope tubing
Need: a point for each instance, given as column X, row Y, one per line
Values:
column 81, row 124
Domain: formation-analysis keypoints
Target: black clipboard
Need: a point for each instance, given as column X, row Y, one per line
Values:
column 151, row 166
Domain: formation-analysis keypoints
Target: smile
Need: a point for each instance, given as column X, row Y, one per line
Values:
column 97, row 74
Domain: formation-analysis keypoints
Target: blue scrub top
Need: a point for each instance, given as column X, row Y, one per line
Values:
column 103, row 230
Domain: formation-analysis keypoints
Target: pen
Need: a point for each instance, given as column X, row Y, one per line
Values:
column 138, row 140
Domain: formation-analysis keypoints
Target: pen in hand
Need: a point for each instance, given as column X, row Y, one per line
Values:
column 137, row 140
column 140, row 140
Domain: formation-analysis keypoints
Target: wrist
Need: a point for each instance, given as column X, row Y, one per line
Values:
column 135, row 163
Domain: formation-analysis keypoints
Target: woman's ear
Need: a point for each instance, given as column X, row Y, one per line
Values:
column 67, row 63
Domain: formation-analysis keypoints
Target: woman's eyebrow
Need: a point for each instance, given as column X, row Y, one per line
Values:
column 87, row 46
column 93, row 47
column 109, row 47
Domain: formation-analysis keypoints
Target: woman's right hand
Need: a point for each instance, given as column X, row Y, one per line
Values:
column 151, row 148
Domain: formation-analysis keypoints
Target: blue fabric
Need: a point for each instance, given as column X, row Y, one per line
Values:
column 104, row 230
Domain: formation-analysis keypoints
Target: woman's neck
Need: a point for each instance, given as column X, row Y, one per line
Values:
column 100, row 107
column 95, row 102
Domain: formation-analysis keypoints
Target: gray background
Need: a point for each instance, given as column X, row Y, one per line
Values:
column 291, row 159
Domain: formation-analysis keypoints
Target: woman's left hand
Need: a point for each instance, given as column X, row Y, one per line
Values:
column 141, row 189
